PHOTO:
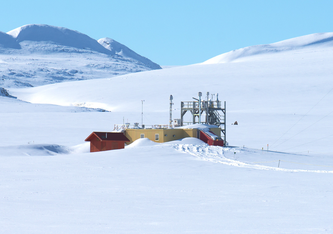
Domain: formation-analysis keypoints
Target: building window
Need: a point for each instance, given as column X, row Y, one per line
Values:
column 142, row 135
column 173, row 135
column 157, row 137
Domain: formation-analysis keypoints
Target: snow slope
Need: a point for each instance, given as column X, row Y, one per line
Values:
column 312, row 40
column 119, row 49
column 34, row 55
column 7, row 41
column 49, row 182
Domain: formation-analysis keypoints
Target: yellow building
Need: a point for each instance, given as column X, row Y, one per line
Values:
column 161, row 135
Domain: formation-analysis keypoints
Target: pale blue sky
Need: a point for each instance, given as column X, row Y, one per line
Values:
column 178, row 32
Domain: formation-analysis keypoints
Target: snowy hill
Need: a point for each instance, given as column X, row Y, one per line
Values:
column 274, row 177
column 313, row 40
column 34, row 55
column 274, row 85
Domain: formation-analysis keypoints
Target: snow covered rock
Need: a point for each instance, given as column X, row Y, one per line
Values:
column 122, row 50
column 4, row 93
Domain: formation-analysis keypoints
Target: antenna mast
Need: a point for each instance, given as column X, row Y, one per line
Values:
column 170, row 121
column 200, row 94
column 142, row 113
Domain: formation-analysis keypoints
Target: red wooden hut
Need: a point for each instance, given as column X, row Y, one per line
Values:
column 100, row 141
column 210, row 138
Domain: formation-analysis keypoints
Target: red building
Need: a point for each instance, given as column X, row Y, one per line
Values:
column 210, row 138
column 100, row 141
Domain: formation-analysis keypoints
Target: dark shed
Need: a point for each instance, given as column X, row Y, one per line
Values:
column 100, row 141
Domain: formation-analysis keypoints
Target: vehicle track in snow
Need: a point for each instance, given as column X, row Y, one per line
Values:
column 224, row 156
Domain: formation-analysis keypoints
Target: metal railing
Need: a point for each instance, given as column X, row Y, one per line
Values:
column 123, row 127
column 195, row 104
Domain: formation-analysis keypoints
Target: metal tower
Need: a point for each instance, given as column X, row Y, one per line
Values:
column 213, row 111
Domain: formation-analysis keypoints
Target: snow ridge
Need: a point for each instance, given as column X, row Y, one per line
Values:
column 56, row 35
column 317, row 39
column 122, row 50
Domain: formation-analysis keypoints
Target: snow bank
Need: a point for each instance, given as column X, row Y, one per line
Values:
column 141, row 143
column 80, row 148
column 187, row 141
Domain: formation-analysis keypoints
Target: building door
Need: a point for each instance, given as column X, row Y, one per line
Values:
column 103, row 146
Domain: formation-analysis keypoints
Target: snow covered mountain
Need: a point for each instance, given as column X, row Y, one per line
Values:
column 34, row 55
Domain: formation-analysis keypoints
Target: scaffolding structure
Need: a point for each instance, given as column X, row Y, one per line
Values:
column 212, row 111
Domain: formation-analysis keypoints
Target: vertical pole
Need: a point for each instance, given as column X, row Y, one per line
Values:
column 181, row 114
column 193, row 111
column 225, row 122
column 170, row 122
column 142, row 113
column 207, row 108
column 200, row 94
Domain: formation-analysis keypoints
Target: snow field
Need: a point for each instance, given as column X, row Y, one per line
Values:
column 153, row 188
column 50, row 183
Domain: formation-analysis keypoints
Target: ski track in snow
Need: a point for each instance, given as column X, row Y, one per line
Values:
column 218, row 154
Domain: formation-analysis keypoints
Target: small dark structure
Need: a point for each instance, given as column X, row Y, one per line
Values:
column 100, row 141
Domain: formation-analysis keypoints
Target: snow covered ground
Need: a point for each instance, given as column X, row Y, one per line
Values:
column 50, row 183
column 180, row 187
